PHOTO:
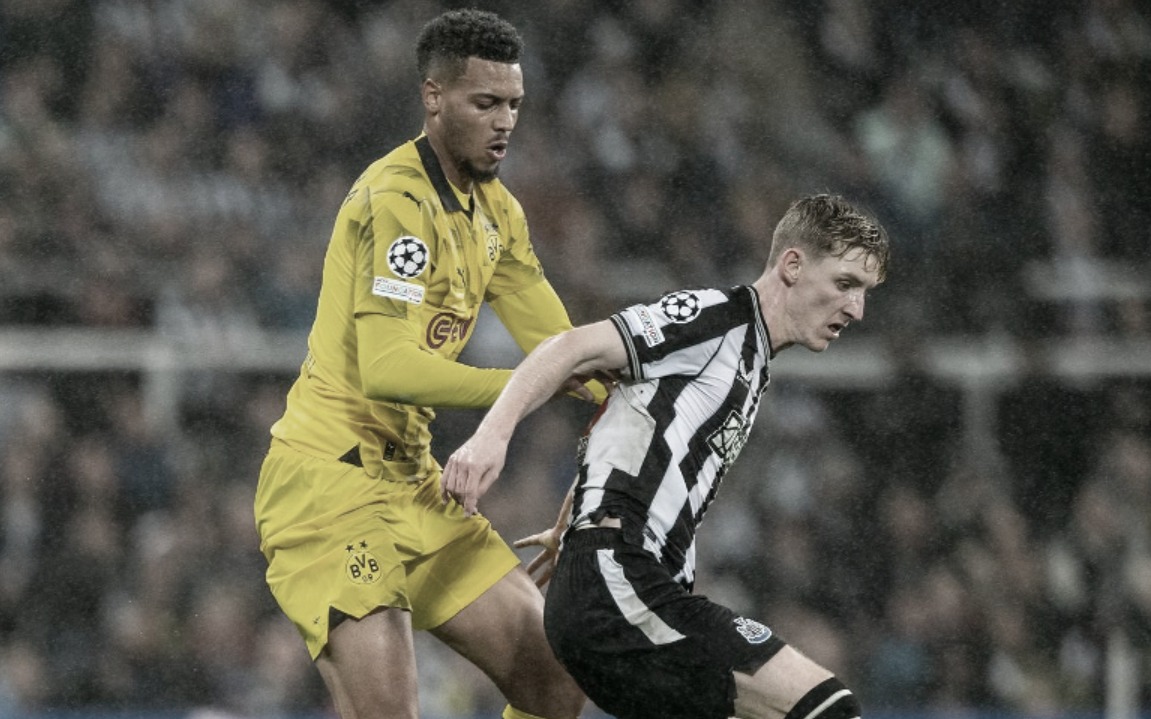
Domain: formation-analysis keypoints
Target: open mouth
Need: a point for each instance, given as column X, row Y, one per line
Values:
column 836, row 328
column 498, row 150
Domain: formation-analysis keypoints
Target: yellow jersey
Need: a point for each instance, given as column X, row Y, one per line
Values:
column 410, row 261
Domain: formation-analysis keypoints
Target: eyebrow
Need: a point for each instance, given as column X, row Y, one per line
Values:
column 856, row 279
column 488, row 95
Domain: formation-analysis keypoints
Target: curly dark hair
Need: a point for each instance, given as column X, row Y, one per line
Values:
column 829, row 225
column 446, row 42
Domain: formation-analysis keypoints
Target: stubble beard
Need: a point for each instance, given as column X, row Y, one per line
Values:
column 475, row 174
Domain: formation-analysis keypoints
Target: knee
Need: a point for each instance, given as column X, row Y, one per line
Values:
column 566, row 698
column 550, row 693
column 511, row 712
column 829, row 699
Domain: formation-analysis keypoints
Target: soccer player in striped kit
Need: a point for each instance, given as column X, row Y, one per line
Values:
column 691, row 368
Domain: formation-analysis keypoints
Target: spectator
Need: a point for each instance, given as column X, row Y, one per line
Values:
column 173, row 166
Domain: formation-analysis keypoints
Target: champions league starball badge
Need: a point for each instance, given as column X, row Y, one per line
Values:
column 680, row 306
column 408, row 256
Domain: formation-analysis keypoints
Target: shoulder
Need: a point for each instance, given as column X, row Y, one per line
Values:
column 400, row 171
column 394, row 187
column 501, row 199
column 692, row 301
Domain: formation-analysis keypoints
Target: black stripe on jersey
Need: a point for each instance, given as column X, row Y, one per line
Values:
column 662, row 409
column 709, row 317
column 699, row 452
column 699, row 449
column 764, row 335
column 633, row 363
column 439, row 180
column 736, row 318
column 725, row 342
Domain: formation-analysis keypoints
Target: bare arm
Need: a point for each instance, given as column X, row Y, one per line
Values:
column 584, row 351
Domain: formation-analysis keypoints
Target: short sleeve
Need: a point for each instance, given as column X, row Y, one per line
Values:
column 394, row 254
column 676, row 335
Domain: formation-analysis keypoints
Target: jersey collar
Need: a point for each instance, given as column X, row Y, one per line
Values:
column 440, row 182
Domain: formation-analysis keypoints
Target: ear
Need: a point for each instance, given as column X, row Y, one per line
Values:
column 432, row 95
column 789, row 265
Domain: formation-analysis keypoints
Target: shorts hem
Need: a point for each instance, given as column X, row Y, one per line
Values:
column 466, row 600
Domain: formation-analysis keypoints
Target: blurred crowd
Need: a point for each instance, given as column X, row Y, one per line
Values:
column 175, row 165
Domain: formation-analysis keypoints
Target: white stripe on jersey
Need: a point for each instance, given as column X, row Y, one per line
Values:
column 692, row 408
column 828, row 702
column 692, row 386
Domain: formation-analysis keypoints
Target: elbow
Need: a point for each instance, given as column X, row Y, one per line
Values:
column 554, row 343
column 562, row 349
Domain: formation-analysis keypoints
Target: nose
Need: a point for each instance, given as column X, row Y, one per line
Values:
column 505, row 119
column 854, row 306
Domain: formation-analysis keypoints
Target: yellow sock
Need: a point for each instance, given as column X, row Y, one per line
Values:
column 511, row 712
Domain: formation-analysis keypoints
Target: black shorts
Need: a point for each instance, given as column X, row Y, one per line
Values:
column 637, row 642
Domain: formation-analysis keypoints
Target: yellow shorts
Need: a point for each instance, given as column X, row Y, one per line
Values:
column 337, row 539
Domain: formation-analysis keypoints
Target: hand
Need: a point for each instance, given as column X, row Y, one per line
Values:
column 585, row 387
column 471, row 470
column 543, row 566
column 575, row 386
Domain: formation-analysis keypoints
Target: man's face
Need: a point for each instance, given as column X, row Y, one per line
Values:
column 473, row 119
column 829, row 293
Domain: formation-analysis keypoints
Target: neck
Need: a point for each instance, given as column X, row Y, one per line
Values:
column 771, row 294
column 451, row 170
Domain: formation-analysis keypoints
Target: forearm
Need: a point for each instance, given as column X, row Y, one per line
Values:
column 536, row 380
column 477, row 463
column 393, row 368
column 534, row 314
column 432, row 381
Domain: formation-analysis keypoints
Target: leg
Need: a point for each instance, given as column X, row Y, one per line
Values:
column 502, row 633
column 369, row 666
column 790, row 681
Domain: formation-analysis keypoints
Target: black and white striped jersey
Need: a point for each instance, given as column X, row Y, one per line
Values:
column 654, row 457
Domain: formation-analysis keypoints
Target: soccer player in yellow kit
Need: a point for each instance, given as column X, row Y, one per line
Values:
column 361, row 549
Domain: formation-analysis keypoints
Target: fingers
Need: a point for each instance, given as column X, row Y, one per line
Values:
column 540, row 560
column 574, row 386
column 531, row 541
column 448, row 480
column 471, row 502
column 546, row 539
column 584, row 393
column 546, row 575
column 455, row 480
column 462, row 482
column 471, row 471
column 542, row 567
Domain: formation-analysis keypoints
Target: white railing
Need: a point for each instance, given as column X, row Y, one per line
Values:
column 979, row 366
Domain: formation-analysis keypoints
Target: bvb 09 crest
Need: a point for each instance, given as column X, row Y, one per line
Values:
column 362, row 566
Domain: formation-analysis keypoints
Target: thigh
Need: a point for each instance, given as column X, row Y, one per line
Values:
column 369, row 666
column 501, row 632
column 639, row 643
column 459, row 558
column 328, row 532
column 776, row 686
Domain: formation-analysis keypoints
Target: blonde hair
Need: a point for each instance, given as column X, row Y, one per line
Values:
column 828, row 225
